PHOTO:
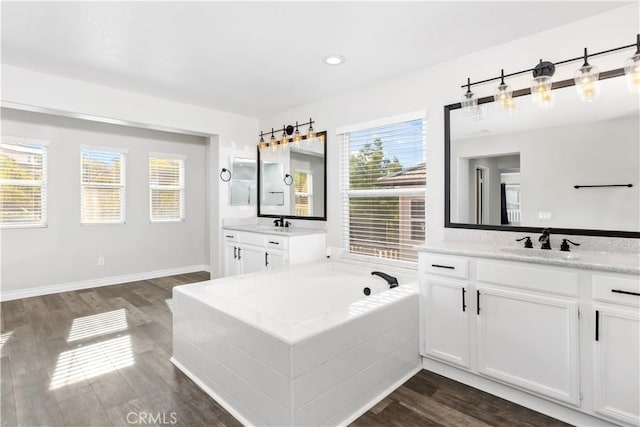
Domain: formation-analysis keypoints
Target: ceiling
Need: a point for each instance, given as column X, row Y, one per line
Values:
column 263, row 57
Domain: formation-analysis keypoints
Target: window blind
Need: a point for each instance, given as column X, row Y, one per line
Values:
column 102, row 187
column 303, row 193
column 383, row 184
column 166, row 189
column 23, row 185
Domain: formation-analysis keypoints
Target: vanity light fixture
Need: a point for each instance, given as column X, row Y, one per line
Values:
column 284, row 140
column 310, row 133
column 632, row 68
column 296, row 136
column 586, row 80
column 504, row 95
column 469, row 101
column 272, row 142
column 541, row 84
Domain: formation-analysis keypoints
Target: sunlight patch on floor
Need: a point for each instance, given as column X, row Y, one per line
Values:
column 92, row 360
column 98, row 324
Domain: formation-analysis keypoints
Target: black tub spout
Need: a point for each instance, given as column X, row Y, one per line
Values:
column 392, row 281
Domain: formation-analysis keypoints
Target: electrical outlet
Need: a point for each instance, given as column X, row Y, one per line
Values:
column 101, row 260
column 544, row 215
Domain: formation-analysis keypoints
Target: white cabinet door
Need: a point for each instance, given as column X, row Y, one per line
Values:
column 446, row 320
column 276, row 258
column 252, row 258
column 617, row 364
column 231, row 262
column 529, row 341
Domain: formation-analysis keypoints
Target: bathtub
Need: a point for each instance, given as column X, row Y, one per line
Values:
column 303, row 346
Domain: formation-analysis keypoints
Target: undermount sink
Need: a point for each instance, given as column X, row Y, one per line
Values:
column 541, row 253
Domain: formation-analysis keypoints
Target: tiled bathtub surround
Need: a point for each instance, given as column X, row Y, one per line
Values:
column 274, row 351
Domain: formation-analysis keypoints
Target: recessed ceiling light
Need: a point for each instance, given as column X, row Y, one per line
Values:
column 333, row 60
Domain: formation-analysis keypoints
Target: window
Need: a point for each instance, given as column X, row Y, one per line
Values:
column 23, row 183
column 383, row 188
column 303, row 192
column 166, row 187
column 102, row 185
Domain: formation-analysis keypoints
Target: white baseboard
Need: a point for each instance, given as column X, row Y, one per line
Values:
column 94, row 283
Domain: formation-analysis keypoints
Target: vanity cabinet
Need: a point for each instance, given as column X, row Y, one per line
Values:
column 251, row 252
column 616, row 347
column 566, row 335
column 528, row 340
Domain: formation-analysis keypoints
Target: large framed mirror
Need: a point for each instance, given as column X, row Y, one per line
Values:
column 292, row 181
column 574, row 168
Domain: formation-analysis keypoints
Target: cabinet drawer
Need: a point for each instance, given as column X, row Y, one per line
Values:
column 230, row 236
column 443, row 265
column 251, row 238
column 538, row 278
column 617, row 289
column 276, row 242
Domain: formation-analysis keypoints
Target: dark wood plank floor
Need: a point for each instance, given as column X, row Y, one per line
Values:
column 95, row 357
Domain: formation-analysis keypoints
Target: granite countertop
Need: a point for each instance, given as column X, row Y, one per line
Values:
column 270, row 229
column 613, row 262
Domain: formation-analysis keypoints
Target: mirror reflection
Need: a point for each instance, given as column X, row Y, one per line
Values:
column 292, row 180
column 243, row 182
column 522, row 168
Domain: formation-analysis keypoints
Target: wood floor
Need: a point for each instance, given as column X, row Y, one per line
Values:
column 100, row 357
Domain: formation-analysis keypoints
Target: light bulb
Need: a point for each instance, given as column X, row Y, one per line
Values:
column 586, row 80
column 261, row 144
column 296, row 137
column 284, row 140
column 310, row 134
column 503, row 94
column 541, row 92
column 632, row 70
column 469, row 101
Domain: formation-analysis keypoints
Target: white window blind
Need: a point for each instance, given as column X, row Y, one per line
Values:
column 383, row 184
column 23, row 185
column 102, row 186
column 303, row 181
column 166, row 188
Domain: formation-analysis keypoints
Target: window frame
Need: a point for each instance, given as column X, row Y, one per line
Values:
column 182, row 158
column 123, row 183
column 28, row 143
column 309, row 194
column 347, row 193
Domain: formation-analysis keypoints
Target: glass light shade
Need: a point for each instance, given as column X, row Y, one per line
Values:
column 297, row 138
column 587, row 84
column 469, row 102
column 284, row 140
column 632, row 70
column 503, row 96
column 273, row 143
column 541, row 92
column 310, row 135
column 262, row 144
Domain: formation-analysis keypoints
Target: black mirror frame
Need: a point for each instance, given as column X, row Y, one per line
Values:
column 447, row 175
column 323, row 134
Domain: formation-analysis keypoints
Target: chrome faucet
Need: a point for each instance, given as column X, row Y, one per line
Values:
column 545, row 239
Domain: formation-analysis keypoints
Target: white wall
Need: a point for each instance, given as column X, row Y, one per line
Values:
column 553, row 160
column 430, row 89
column 229, row 134
column 66, row 251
